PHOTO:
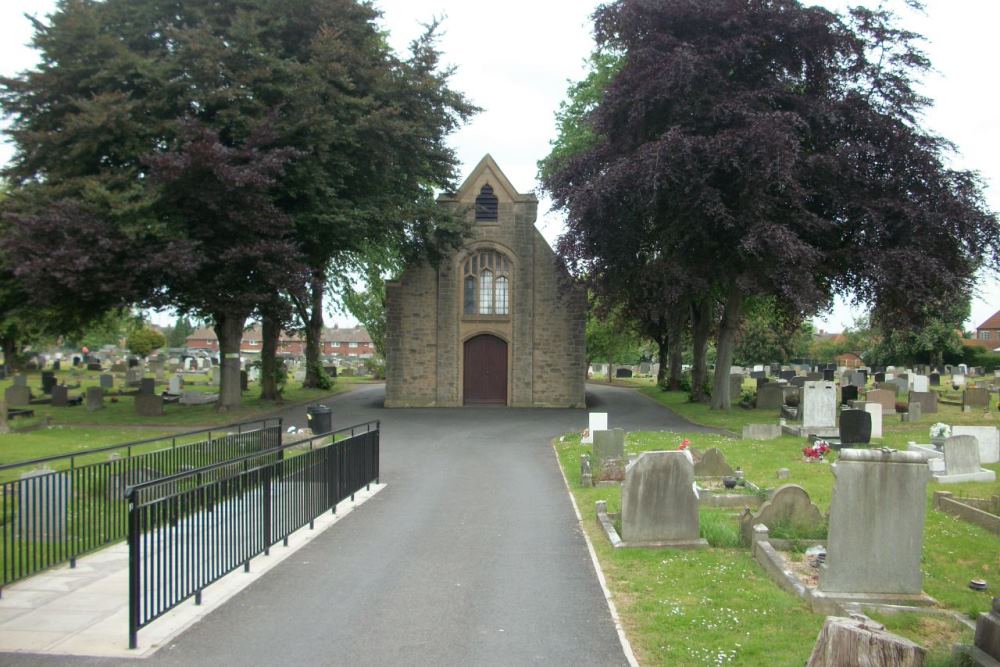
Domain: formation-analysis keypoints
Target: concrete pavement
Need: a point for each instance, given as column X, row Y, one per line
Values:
column 471, row 555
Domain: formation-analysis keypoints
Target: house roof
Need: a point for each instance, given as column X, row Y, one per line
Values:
column 336, row 335
column 992, row 322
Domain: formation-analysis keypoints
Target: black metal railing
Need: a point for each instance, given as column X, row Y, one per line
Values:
column 191, row 529
column 77, row 503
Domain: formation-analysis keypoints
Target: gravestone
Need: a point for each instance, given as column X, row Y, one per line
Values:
column 48, row 381
column 987, row 638
column 244, row 381
column 761, row 382
column 857, row 378
column 17, row 395
column 149, row 405
column 586, row 474
column 43, row 503
column 988, row 438
column 758, row 375
column 814, row 377
column 60, row 396
column 20, row 381
column 920, row 383
column 770, row 397
column 4, row 426
column 928, row 401
column 217, row 375
column 713, row 464
column 95, row 399
column 975, row 399
column 875, row 410
column 887, row 399
column 133, row 362
column 790, row 506
column 914, row 412
column 644, row 367
column 934, row 380
column 57, row 365
column 107, row 381
column 133, row 376
column 786, row 375
column 848, row 392
column 880, row 377
column 175, row 385
column 819, row 405
column 828, row 374
column 903, row 380
column 623, row 372
column 659, row 502
column 735, row 387
column 597, row 421
column 761, row 431
column 798, row 381
column 961, row 455
column 609, row 454
column 855, row 427
column 958, row 380
column 876, row 523
column 147, row 386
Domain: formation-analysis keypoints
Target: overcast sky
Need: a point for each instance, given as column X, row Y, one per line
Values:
column 514, row 60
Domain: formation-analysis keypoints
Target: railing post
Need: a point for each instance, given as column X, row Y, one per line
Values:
column 266, row 510
column 133, row 571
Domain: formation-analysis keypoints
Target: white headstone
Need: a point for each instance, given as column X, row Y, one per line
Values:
column 958, row 380
column 819, row 405
column 598, row 422
column 919, row 383
column 875, row 410
column 176, row 383
column 961, row 455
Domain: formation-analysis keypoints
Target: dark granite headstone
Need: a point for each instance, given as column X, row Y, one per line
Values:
column 935, row 379
column 623, row 372
column 147, row 386
column 928, row 401
column 855, row 427
column 132, row 362
column 57, row 365
column 879, row 377
column 828, row 374
column 48, row 381
column 94, row 366
column 60, row 396
column 107, row 381
column 758, row 375
column 786, row 375
column 848, row 392
column 815, row 377
column 798, row 381
column 244, row 381
column 761, row 382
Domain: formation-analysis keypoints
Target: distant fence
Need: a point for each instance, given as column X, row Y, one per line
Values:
column 77, row 503
column 190, row 529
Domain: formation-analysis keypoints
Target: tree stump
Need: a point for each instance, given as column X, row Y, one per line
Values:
column 862, row 642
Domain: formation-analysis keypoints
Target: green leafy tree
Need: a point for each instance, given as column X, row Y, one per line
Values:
column 177, row 335
column 611, row 340
column 145, row 341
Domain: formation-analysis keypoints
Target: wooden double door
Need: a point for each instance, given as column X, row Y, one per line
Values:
column 485, row 371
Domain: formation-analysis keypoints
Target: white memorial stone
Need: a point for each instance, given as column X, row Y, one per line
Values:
column 819, row 405
column 988, row 438
column 919, row 383
column 598, row 422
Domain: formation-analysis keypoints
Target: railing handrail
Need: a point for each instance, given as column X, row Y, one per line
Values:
column 135, row 443
column 131, row 490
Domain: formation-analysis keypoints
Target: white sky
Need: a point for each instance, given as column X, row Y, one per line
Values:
column 515, row 63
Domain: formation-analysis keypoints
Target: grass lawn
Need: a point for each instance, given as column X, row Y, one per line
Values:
column 717, row 606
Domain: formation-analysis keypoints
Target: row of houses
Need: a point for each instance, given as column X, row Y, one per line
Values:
column 346, row 342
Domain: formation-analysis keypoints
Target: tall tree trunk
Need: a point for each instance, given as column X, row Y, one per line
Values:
column 9, row 353
column 731, row 317
column 270, row 332
column 677, row 322
column 314, row 331
column 701, row 325
column 663, row 358
column 229, row 331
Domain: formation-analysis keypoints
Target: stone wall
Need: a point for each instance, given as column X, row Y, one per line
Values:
column 411, row 339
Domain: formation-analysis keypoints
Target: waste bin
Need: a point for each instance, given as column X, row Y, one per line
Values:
column 320, row 419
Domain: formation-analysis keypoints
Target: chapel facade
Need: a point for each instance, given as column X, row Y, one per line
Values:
column 498, row 322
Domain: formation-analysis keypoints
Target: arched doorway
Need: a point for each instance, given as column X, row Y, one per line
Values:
column 485, row 374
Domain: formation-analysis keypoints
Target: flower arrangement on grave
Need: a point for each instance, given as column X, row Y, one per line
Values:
column 684, row 445
column 816, row 451
column 902, row 407
column 940, row 431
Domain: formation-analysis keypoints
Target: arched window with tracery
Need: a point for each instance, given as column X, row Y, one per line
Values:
column 486, row 284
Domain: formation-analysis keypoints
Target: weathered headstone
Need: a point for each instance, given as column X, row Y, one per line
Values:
column 43, row 502
column 761, row 431
column 880, row 377
column 975, row 399
column 876, row 493
column 988, row 438
column 819, row 405
column 609, row 454
column 987, row 637
column 244, row 381
column 95, row 399
column 147, row 386
column 623, row 372
column 713, row 464
column 786, row 375
column 790, row 506
column 758, row 375
column 149, row 405
column 914, row 412
column 848, row 392
column 735, row 387
column 217, row 375
column 17, row 395
column 961, row 455
column 597, row 421
column 133, row 377
column 770, row 396
column 761, row 382
column 586, row 473
column 887, row 399
column 175, row 385
column 798, row 381
column 861, row 641
column 855, row 427
column 928, row 401
column 4, row 426
column 60, row 396
column 107, row 381
column 659, row 502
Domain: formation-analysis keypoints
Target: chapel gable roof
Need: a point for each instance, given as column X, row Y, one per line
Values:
column 487, row 171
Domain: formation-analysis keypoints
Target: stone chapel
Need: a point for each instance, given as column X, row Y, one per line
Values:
column 498, row 322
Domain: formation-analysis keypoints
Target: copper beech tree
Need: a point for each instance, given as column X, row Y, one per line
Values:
column 768, row 149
